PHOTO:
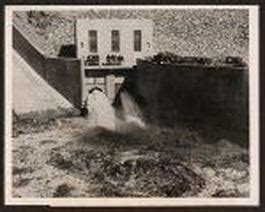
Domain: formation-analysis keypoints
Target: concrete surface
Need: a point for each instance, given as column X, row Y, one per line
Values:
column 31, row 92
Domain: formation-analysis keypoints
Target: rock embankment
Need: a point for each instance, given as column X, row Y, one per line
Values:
column 47, row 31
column 205, row 33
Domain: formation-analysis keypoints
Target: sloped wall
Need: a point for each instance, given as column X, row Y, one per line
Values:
column 31, row 93
column 28, row 52
column 61, row 73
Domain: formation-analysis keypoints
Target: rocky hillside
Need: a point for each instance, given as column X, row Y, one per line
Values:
column 208, row 33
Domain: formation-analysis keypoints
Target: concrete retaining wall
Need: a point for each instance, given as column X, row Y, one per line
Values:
column 170, row 94
column 61, row 73
column 28, row 52
column 64, row 76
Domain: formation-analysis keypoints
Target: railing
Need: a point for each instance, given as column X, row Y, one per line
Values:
column 114, row 60
column 111, row 60
column 92, row 60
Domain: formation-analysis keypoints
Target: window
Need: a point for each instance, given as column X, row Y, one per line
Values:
column 137, row 40
column 93, row 41
column 115, row 40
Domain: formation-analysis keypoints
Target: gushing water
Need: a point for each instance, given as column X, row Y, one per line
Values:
column 102, row 114
column 131, row 111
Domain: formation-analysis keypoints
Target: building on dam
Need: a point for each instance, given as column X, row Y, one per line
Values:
column 108, row 49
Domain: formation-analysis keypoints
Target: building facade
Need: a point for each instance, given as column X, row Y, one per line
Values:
column 108, row 48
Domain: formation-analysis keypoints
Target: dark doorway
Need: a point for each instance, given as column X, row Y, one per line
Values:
column 68, row 51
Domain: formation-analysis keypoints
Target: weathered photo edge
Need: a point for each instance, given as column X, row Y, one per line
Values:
column 253, row 200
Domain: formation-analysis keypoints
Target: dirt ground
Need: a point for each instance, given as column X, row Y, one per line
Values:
column 67, row 157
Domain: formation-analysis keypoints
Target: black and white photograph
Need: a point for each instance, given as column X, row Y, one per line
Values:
column 146, row 104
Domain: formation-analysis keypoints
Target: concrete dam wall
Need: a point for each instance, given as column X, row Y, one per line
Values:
column 63, row 74
column 166, row 94
column 175, row 94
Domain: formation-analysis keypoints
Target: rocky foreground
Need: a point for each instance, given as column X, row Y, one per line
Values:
column 65, row 157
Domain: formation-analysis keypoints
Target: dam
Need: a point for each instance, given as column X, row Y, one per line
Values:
column 109, row 57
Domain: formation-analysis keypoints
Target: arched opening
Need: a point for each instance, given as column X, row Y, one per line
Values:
column 95, row 88
column 84, row 110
